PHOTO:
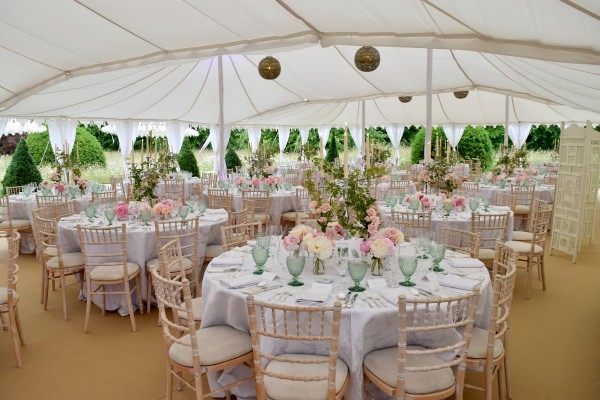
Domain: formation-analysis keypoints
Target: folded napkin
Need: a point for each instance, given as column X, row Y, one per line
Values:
column 214, row 269
column 392, row 294
column 213, row 218
column 464, row 215
column 240, row 282
column 251, row 243
column 71, row 218
column 500, row 208
column 457, row 282
column 465, row 262
column 313, row 297
column 212, row 211
column 226, row 261
column 454, row 254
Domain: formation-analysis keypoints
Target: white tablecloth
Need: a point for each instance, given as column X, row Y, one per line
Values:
column 279, row 202
column 363, row 329
column 160, row 188
column 542, row 192
column 410, row 189
column 141, row 247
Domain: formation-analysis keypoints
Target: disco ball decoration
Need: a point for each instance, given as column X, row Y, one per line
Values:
column 405, row 99
column 367, row 59
column 269, row 68
column 461, row 94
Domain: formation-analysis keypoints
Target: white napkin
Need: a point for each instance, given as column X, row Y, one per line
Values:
column 313, row 297
column 465, row 262
column 464, row 215
column 454, row 254
column 500, row 208
column 392, row 294
column 457, row 282
column 215, row 269
column 241, row 282
column 226, row 261
column 212, row 211
column 213, row 218
column 251, row 243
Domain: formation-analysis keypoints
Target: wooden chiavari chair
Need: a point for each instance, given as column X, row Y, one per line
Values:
column 238, row 235
column 527, row 234
column 471, row 186
column 302, row 210
column 412, row 224
column 260, row 204
column 9, row 299
column 220, row 198
column 491, row 227
column 505, row 199
column 104, row 197
column 8, row 224
column 174, row 189
column 42, row 201
column 460, row 241
column 525, row 196
column 240, row 217
column 14, row 190
column 550, row 179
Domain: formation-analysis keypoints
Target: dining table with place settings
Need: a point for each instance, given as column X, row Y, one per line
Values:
column 369, row 318
column 280, row 201
column 141, row 243
column 542, row 192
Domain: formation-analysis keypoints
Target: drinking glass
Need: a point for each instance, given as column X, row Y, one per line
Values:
column 437, row 252
column 145, row 216
column 414, row 205
column 486, row 204
column 90, row 212
column 473, row 204
column 26, row 190
column 73, row 191
column 45, row 192
column 393, row 201
column 447, row 207
column 183, row 212
column 357, row 270
column 275, row 242
column 424, row 242
column 263, row 240
column 109, row 213
column 201, row 207
column 408, row 266
column 287, row 186
column 295, row 265
column 260, row 255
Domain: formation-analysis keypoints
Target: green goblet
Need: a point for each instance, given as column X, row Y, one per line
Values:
column 408, row 266
column 473, row 205
column 357, row 270
column 109, row 213
column 145, row 216
column 90, row 212
column 393, row 200
column 263, row 240
column 414, row 205
column 447, row 207
column 260, row 255
column 295, row 265
column 183, row 212
column 486, row 204
column 201, row 207
column 438, row 251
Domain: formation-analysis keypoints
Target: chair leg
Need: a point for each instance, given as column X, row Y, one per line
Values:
column 43, row 288
column 88, row 304
column 506, row 369
column 501, row 381
column 169, row 382
column 3, row 322
column 129, row 305
column 138, row 282
column 366, row 386
column 529, row 272
column 15, row 336
column 541, row 264
column 489, row 380
column 46, row 289
column 103, row 289
column 148, row 291
column 63, row 291
column 19, row 328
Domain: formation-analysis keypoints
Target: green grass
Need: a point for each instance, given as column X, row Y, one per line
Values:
column 114, row 162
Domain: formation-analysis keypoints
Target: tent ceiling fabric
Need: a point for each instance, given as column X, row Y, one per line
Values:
column 152, row 60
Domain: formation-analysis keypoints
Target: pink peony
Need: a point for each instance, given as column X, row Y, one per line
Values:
column 372, row 228
column 255, row 182
column 368, row 219
column 375, row 219
column 313, row 204
column 365, row 246
column 371, row 211
column 60, row 187
column 122, row 210
column 326, row 207
column 425, row 202
column 322, row 220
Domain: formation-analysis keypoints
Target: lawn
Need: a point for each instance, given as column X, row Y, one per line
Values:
column 205, row 159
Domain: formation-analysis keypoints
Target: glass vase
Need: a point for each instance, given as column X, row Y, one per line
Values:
column 376, row 266
column 318, row 266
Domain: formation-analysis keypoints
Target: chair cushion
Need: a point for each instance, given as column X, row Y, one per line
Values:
column 282, row 389
column 112, row 272
column 293, row 215
column 216, row 344
column 70, row 260
column 524, row 247
column 260, row 217
column 522, row 236
column 4, row 295
column 51, row 251
column 197, row 309
column 478, row 344
column 522, row 209
column 187, row 264
column 214, row 250
column 16, row 223
column 384, row 364
column 486, row 254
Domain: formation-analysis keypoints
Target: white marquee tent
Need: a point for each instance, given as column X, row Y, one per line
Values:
column 156, row 60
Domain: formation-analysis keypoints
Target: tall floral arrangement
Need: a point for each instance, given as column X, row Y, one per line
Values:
column 144, row 177
column 260, row 163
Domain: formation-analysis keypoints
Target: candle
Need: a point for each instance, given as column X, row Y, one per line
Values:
column 346, row 151
column 368, row 152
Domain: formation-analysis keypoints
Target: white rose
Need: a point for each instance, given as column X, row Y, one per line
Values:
column 379, row 249
column 323, row 248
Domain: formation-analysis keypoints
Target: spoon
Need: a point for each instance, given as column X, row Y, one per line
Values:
column 415, row 292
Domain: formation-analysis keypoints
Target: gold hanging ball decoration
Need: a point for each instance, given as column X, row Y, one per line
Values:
column 405, row 99
column 461, row 94
column 269, row 68
column 367, row 59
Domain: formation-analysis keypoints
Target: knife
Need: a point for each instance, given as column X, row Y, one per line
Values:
column 260, row 290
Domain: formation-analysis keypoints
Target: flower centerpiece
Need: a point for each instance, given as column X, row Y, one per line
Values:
column 60, row 186
column 293, row 240
column 424, row 178
column 239, row 181
column 46, row 187
column 163, row 208
column 323, row 211
column 122, row 211
column 335, row 231
column 376, row 248
column 321, row 247
column 394, row 234
column 521, row 177
column 426, row 202
column 451, row 182
column 82, row 183
column 458, row 202
column 55, row 177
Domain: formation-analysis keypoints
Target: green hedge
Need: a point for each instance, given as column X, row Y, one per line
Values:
column 21, row 170
column 417, row 151
column 232, row 160
column 187, row 160
column 332, row 151
column 37, row 143
column 475, row 144
column 90, row 150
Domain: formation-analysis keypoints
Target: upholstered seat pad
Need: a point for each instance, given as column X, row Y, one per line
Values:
column 51, row 251
column 524, row 247
column 4, row 295
column 478, row 344
column 522, row 236
column 213, row 250
column 112, row 272
column 69, row 260
column 282, row 389
column 384, row 364
column 216, row 344
column 197, row 309
column 522, row 209
column 260, row 217
column 16, row 223
column 294, row 215
column 486, row 254
column 185, row 262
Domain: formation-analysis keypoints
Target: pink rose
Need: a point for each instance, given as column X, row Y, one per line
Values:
column 365, row 247
column 368, row 219
column 313, row 204
column 370, row 212
column 375, row 219
column 372, row 228
column 322, row 220
column 326, row 207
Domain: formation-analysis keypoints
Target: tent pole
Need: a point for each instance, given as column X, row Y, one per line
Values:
column 362, row 126
column 221, row 155
column 506, row 102
column 427, row 155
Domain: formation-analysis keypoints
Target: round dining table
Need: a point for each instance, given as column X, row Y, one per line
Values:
column 371, row 323
column 280, row 201
column 542, row 192
column 141, row 245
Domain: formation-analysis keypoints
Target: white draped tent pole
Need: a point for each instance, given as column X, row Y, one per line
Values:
column 395, row 133
column 304, row 132
column 254, row 134
column 127, row 131
column 518, row 133
column 362, row 124
column 453, row 133
column 324, row 136
column 506, row 103
column 175, row 135
column 62, row 132
column 283, row 134
column 3, row 123
column 427, row 155
column 220, row 164
column 357, row 137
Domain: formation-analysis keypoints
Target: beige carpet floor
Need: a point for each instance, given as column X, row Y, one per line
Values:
column 554, row 353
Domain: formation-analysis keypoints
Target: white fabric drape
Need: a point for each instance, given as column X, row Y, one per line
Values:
column 304, row 135
column 283, row 133
column 324, row 135
column 395, row 133
column 453, row 133
column 215, row 140
column 254, row 134
column 175, row 135
column 3, row 123
column 518, row 133
column 61, row 132
column 127, row 131
column 357, row 135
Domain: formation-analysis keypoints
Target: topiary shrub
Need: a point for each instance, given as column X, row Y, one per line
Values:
column 417, row 152
column 332, row 151
column 475, row 144
column 90, row 150
column 38, row 143
column 231, row 159
column 21, row 170
column 187, row 160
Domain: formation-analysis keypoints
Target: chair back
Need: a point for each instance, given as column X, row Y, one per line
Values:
column 303, row 200
column 471, row 186
column 47, row 233
column 42, row 201
column 491, row 227
column 185, row 232
column 435, row 316
column 292, row 176
column 399, row 184
column 238, row 235
column 460, row 241
column 13, row 268
column 57, row 210
column 551, row 179
column 104, row 197
column 412, row 224
column 505, row 199
column 312, row 325
column 260, row 198
column 10, row 190
column 103, row 247
column 240, row 217
column 541, row 225
column 524, row 194
column 174, row 189
column 197, row 189
column 220, row 198
column 5, row 215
